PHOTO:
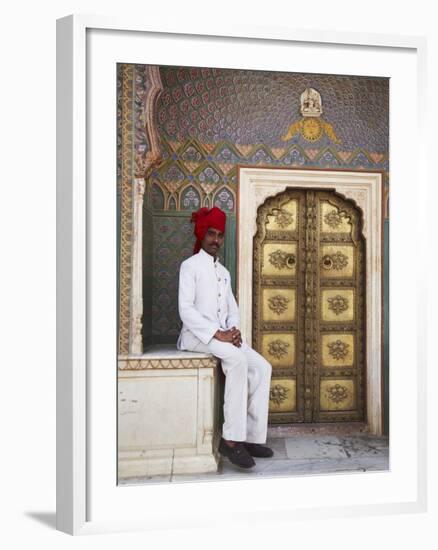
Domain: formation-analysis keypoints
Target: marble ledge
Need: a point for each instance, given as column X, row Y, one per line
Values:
column 166, row 357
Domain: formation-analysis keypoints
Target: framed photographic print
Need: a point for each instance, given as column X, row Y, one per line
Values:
column 297, row 142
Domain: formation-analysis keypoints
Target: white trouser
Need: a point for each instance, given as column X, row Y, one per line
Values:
column 247, row 385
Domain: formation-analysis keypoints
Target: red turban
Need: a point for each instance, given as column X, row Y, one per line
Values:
column 205, row 218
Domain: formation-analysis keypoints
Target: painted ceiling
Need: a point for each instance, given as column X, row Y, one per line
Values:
column 251, row 107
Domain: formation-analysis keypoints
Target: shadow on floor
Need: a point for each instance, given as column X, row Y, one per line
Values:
column 46, row 518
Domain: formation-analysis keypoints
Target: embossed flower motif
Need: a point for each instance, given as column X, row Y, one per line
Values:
column 278, row 348
column 278, row 394
column 282, row 217
column 338, row 304
column 338, row 349
column 336, row 261
column 281, row 259
column 278, row 304
column 337, row 393
column 339, row 260
column 334, row 218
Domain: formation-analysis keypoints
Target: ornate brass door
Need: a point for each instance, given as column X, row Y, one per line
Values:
column 309, row 305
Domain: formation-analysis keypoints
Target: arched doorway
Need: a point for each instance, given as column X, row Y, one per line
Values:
column 309, row 305
column 361, row 190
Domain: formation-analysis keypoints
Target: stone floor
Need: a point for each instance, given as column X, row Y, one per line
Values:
column 298, row 453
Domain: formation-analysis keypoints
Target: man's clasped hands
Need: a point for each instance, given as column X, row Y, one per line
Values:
column 231, row 335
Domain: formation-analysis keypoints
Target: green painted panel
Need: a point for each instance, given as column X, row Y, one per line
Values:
column 230, row 248
column 386, row 327
column 147, row 277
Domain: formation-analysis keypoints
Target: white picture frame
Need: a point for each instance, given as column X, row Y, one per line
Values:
column 88, row 500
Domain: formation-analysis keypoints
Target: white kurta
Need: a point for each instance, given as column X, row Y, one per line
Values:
column 206, row 304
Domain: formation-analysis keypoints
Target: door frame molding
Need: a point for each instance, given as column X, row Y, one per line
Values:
column 255, row 185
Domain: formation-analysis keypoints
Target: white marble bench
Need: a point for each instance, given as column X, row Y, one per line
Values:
column 167, row 413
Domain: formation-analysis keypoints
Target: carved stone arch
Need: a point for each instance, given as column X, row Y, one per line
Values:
column 150, row 159
column 136, row 164
column 143, row 161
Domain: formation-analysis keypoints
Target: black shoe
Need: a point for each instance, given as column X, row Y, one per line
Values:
column 255, row 449
column 237, row 455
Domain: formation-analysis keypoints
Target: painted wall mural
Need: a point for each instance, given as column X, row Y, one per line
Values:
column 209, row 121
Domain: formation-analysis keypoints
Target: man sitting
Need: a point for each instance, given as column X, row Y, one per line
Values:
column 210, row 317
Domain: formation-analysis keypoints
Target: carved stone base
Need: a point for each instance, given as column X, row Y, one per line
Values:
column 145, row 467
column 168, row 413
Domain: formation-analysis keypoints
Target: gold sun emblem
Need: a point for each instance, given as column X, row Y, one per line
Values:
column 311, row 128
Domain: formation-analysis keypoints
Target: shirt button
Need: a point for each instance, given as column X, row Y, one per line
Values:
column 219, row 279
column 219, row 295
column 218, row 310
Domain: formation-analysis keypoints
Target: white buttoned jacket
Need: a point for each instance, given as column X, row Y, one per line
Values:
column 205, row 300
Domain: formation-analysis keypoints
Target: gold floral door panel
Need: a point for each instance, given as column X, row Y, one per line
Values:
column 309, row 305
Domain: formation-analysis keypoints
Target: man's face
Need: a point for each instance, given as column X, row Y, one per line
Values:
column 212, row 241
